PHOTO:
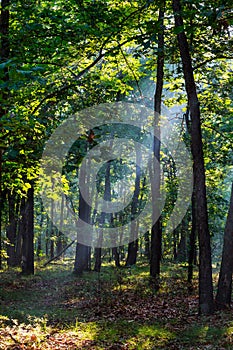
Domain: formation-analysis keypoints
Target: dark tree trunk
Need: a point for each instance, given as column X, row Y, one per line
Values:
column 192, row 242
column 1, row 208
column 81, row 259
column 21, row 229
column 156, row 232
column 47, row 237
column 133, row 245
column 182, row 246
column 206, row 305
column 132, row 253
column 52, row 228
column 116, row 256
column 39, row 239
column 223, row 297
column 82, row 256
column 5, row 55
column 11, row 231
column 28, row 236
column 97, row 266
column 147, row 244
column 175, row 236
column 107, row 197
column 60, row 235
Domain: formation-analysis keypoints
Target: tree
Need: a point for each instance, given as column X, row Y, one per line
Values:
column 133, row 245
column 5, row 55
column 156, row 234
column 107, row 197
column 206, row 305
column 28, row 235
column 223, row 297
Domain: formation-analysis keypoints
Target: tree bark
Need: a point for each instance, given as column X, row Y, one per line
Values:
column 156, row 232
column 5, row 55
column 192, row 241
column 107, row 197
column 11, row 231
column 82, row 256
column 223, row 297
column 133, row 245
column 60, row 235
column 206, row 305
column 116, row 256
column 28, row 236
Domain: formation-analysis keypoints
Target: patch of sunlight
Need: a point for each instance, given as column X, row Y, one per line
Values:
column 155, row 331
column 229, row 330
column 85, row 330
column 148, row 334
column 3, row 319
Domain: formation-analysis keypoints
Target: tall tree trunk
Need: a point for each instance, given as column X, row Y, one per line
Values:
column 39, row 238
column 11, row 230
column 156, row 232
column 60, row 235
column 82, row 256
column 107, row 197
column 116, row 256
column 223, row 297
column 1, row 208
column 147, row 244
column 5, row 55
column 175, row 238
column 52, row 228
column 182, row 246
column 206, row 305
column 133, row 245
column 192, row 241
column 28, row 236
column 20, row 231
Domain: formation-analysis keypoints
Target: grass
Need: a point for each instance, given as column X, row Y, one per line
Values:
column 116, row 309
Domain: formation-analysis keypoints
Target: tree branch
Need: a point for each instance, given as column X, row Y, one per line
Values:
column 211, row 60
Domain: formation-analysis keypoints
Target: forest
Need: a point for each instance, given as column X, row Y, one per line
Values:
column 116, row 192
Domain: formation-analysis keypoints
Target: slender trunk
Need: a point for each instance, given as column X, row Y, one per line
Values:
column 116, row 256
column 175, row 244
column 147, row 244
column 39, row 239
column 59, row 246
column 206, row 305
column 11, row 231
column 58, row 255
column 52, row 228
column 107, row 197
column 133, row 245
column 192, row 242
column 1, row 208
column 156, row 232
column 5, row 55
column 182, row 246
column 28, row 236
column 97, row 266
column 47, row 237
column 223, row 297
column 20, row 231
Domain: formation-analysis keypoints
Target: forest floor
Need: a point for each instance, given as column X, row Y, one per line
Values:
column 114, row 309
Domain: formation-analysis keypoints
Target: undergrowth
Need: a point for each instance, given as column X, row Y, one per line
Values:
column 113, row 309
